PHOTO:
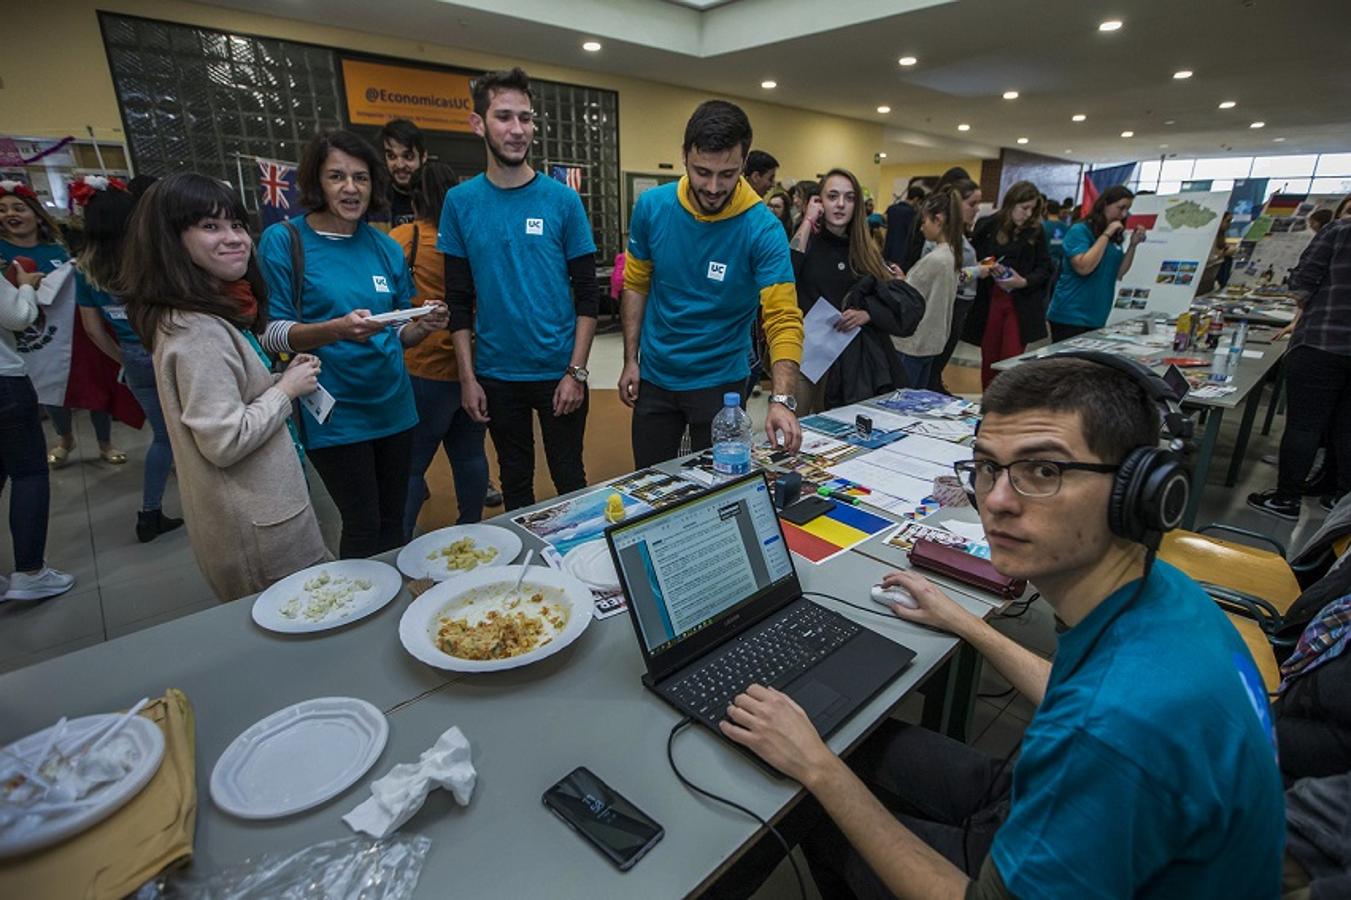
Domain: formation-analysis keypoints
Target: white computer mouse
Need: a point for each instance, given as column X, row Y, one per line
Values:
column 889, row 595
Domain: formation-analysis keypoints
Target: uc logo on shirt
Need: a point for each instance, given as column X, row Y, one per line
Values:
column 534, row 226
column 717, row 271
column 381, row 284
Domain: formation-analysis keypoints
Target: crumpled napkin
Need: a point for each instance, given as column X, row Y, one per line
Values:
column 397, row 796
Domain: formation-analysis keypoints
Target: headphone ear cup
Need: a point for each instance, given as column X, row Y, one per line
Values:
column 1166, row 490
column 1124, row 514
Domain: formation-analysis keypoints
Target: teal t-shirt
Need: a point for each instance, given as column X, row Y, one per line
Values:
column 1055, row 231
column 113, row 310
column 705, row 288
column 47, row 256
column 367, row 378
column 518, row 242
column 1084, row 299
column 1150, row 767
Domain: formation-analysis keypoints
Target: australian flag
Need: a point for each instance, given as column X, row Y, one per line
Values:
column 569, row 175
column 277, row 191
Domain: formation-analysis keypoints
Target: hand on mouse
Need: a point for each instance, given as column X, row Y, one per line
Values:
column 932, row 607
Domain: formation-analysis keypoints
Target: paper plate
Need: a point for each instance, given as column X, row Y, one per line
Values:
column 413, row 559
column 422, row 619
column 25, row 835
column 298, row 757
column 592, row 564
column 385, row 586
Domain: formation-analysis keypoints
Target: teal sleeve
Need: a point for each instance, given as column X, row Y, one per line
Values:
column 1078, row 240
column 84, row 292
column 274, row 259
column 448, row 239
column 1086, row 822
column 639, row 229
column 578, row 241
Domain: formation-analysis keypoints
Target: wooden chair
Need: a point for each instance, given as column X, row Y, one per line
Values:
column 1239, row 567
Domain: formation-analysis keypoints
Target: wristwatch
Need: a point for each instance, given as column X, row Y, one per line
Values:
column 579, row 373
column 787, row 400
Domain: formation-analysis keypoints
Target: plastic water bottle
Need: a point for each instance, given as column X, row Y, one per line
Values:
column 731, row 438
column 1220, row 364
column 1241, row 335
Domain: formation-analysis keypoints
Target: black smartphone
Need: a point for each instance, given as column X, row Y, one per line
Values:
column 599, row 813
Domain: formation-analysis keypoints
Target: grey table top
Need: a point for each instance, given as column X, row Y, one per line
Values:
column 528, row 727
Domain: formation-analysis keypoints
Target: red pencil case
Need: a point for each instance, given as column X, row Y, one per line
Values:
column 964, row 567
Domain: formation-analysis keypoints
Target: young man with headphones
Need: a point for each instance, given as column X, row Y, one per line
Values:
column 1149, row 766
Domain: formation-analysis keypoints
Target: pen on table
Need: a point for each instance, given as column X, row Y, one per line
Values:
column 834, row 494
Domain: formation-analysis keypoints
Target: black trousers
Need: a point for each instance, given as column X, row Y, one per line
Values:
column 1318, row 385
column 368, row 481
column 660, row 418
column 1061, row 332
column 511, row 408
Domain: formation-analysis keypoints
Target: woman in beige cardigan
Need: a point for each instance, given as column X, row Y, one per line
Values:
column 193, row 294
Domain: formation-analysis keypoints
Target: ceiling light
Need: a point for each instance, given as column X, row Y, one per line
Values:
column 1170, row 121
column 769, row 85
column 1022, row 140
column 963, row 127
column 884, row 109
column 1258, row 125
column 1278, row 140
column 907, row 60
column 1078, row 117
column 1182, row 73
column 1068, row 150
column 591, row 46
column 1010, row 95
column 1128, row 134
column 1110, row 25
column 881, row 156
column 1163, row 146
column 1228, row 104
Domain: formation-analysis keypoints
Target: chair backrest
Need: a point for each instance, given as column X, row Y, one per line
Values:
column 1260, row 648
column 1236, row 566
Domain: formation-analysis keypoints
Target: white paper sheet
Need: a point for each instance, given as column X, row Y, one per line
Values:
column 882, row 420
column 944, row 453
column 822, row 344
column 882, row 478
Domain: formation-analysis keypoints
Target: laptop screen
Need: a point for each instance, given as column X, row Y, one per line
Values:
column 687, row 566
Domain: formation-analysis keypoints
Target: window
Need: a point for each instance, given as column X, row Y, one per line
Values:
column 579, row 127
column 1222, row 184
column 1177, row 170
column 1284, row 166
column 1149, row 172
column 1169, row 187
column 1222, row 167
column 1331, row 185
column 1334, row 164
column 1288, row 186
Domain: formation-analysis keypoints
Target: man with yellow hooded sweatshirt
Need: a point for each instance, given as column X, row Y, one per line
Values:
column 704, row 254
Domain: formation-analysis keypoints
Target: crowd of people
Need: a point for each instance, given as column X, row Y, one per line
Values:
column 407, row 310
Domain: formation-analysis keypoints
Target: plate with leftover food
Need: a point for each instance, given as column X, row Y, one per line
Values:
column 450, row 552
column 298, row 757
column 61, row 780
column 480, row 622
column 328, row 595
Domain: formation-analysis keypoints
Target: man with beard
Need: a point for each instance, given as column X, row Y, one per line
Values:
column 704, row 255
column 521, row 278
column 404, row 156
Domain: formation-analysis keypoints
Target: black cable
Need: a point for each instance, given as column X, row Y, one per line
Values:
column 876, row 611
column 787, row 851
column 998, row 696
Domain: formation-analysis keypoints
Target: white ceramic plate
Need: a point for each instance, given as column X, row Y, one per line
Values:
column 414, row 563
column 298, row 757
column 473, row 593
column 385, row 586
column 26, row 835
column 592, row 565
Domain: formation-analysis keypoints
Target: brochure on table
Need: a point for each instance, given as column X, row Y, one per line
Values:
column 1180, row 231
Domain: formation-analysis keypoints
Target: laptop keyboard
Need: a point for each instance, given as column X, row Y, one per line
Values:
column 773, row 656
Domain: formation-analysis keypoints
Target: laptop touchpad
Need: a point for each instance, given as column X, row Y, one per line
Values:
column 816, row 700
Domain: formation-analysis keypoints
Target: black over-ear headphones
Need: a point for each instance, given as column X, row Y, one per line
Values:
column 1152, row 485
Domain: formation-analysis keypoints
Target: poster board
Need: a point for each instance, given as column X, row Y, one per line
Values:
column 635, row 183
column 1169, row 263
column 1272, row 246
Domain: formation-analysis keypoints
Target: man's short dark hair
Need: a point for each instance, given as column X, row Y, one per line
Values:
column 915, row 192
column 1116, row 414
column 1068, row 202
column 1052, row 207
column 759, row 161
column 513, row 79
column 717, row 126
column 309, row 177
column 405, row 132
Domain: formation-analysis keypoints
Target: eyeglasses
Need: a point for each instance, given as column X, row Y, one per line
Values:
column 1029, row 477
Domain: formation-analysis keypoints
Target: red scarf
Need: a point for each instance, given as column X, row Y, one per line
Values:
column 242, row 293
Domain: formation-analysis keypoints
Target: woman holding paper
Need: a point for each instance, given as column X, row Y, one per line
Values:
column 195, row 298
column 1008, row 313
column 330, row 278
column 1094, row 263
column 836, row 262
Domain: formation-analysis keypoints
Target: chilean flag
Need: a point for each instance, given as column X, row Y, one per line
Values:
column 1090, row 197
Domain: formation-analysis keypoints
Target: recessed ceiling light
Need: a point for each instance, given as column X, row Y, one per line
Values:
column 963, row 127
column 1278, row 140
column 769, row 85
column 591, row 46
column 1010, row 95
column 1227, row 104
column 1182, row 73
column 882, row 155
column 1128, row 134
column 1068, row 150
column 1022, row 140
column 1110, row 25
column 907, row 60
column 1170, row 121
column 1258, row 125
column 1078, row 117
column 884, row 109
column 1163, row 146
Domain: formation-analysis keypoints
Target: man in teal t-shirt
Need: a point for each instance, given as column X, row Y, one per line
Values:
column 1149, row 766
column 521, row 278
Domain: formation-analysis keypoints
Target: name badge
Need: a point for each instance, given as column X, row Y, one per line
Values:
column 320, row 403
column 534, row 226
column 717, row 271
column 381, row 284
column 117, row 313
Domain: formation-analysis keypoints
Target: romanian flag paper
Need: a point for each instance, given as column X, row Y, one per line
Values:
column 831, row 534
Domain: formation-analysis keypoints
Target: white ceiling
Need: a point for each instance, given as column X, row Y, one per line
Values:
column 1279, row 59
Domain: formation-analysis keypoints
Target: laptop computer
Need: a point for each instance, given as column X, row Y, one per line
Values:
column 717, row 606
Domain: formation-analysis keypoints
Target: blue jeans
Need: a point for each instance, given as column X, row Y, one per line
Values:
column 60, row 416
column 140, row 374
column 23, row 461
column 443, row 422
column 918, row 369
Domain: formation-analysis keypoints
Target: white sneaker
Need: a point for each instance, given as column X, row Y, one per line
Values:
column 46, row 583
